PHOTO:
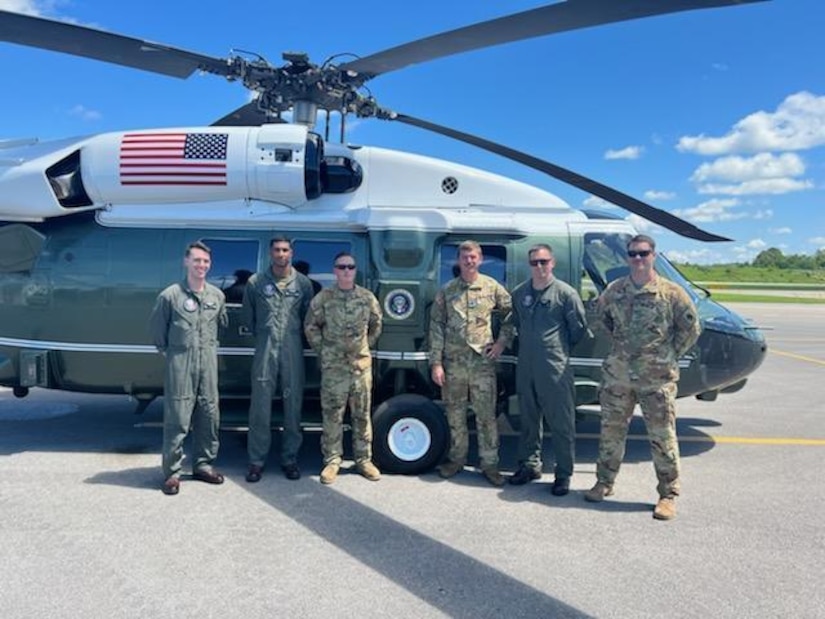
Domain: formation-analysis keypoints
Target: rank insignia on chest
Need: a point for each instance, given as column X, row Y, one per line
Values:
column 190, row 305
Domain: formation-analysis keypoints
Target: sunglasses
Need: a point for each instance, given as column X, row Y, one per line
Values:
column 644, row 253
column 540, row 261
column 342, row 267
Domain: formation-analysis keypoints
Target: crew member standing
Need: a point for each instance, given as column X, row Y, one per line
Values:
column 275, row 303
column 184, row 327
column 549, row 318
column 342, row 325
column 651, row 322
column 463, row 358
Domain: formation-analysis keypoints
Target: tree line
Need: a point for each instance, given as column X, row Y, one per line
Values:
column 774, row 258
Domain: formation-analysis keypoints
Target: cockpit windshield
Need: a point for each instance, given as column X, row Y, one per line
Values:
column 605, row 260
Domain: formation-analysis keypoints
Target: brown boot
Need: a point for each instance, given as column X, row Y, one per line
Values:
column 597, row 493
column 492, row 475
column 330, row 473
column 368, row 470
column 450, row 469
column 665, row 509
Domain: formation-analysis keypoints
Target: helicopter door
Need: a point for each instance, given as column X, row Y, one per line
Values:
column 234, row 261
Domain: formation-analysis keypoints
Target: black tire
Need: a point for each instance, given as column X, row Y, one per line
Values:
column 422, row 426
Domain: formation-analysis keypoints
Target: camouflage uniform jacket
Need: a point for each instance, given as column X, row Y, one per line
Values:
column 650, row 328
column 342, row 326
column 462, row 317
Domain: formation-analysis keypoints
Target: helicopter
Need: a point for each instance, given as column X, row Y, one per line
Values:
column 74, row 303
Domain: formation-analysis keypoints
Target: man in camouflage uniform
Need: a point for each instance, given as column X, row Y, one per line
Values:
column 184, row 327
column 549, row 318
column 275, row 303
column 652, row 322
column 463, row 358
column 342, row 325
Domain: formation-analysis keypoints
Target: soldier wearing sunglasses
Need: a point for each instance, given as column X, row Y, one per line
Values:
column 651, row 323
column 549, row 318
column 342, row 325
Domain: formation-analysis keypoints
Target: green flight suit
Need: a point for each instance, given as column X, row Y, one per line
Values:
column 274, row 311
column 184, row 327
column 549, row 322
column 342, row 326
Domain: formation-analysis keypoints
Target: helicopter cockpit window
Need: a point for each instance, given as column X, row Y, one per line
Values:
column 314, row 259
column 494, row 263
column 605, row 260
column 233, row 263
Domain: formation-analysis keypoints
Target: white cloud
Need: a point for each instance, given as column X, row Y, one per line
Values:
column 31, row 7
column 628, row 152
column 652, row 194
column 757, row 244
column 797, row 124
column 737, row 169
column 719, row 66
column 596, row 202
column 85, row 113
column 782, row 230
column 693, row 256
column 818, row 240
column 773, row 186
column 717, row 209
column 644, row 226
column 766, row 214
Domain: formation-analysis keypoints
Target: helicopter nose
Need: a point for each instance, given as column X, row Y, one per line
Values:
column 730, row 349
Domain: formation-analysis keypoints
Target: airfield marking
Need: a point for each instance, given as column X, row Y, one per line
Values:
column 799, row 357
column 741, row 440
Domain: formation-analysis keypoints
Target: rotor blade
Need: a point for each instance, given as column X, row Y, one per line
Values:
column 248, row 115
column 550, row 19
column 108, row 47
column 651, row 213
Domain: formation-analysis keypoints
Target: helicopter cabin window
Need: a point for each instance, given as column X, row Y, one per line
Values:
column 494, row 263
column 233, row 263
column 314, row 259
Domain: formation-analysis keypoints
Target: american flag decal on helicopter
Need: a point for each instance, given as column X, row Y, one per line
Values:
column 173, row 158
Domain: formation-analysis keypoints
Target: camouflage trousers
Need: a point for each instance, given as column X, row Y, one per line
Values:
column 470, row 378
column 658, row 406
column 340, row 387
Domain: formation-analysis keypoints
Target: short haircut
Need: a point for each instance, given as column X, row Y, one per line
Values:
column 642, row 238
column 469, row 246
column 537, row 247
column 342, row 254
column 280, row 239
column 198, row 245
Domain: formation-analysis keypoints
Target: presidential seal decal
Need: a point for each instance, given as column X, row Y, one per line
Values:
column 399, row 304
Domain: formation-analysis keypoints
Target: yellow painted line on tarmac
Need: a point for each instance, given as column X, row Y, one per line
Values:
column 737, row 440
column 795, row 356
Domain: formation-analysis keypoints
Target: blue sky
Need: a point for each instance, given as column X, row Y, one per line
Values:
column 716, row 115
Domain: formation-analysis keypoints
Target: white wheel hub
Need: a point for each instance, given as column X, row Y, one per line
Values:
column 409, row 439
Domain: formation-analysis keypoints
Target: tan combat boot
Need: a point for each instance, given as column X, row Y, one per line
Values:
column 450, row 469
column 330, row 473
column 368, row 470
column 665, row 509
column 492, row 475
column 597, row 493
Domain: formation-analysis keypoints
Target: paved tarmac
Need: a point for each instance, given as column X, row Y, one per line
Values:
column 85, row 531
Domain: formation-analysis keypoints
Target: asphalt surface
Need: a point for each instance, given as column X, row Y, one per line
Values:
column 86, row 532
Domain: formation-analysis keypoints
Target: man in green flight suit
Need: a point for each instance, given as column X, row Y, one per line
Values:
column 275, row 303
column 651, row 323
column 184, row 327
column 463, row 358
column 549, row 317
column 342, row 325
